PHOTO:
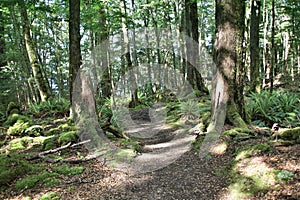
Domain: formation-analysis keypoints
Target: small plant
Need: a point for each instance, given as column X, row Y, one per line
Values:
column 50, row 196
column 284, row 175
column 189, row 110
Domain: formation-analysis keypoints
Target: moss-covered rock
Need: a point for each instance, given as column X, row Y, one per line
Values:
column 290, row 134
column 67, row 137
column 18, row 129
column 35, row 130
column 12, row 119
column 52, row 131
column 50, row 143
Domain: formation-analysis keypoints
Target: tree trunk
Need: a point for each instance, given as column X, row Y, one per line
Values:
column 254, row 46
column 273, row 47
column 74, row 48
column 106, row 86
column 2, row 42
column 191, row 23
column 229, row 15
column 132, row 84
column 32, row 54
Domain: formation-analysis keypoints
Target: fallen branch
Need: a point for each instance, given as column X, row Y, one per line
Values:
column 73, row 161
column 42, row 154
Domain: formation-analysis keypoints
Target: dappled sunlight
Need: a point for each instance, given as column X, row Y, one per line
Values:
column 256, row 167
column 219, row 149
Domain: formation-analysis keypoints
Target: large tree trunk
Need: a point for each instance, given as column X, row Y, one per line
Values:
column 32, row 54
column 254, row 46
column 74, row 48
column 191, row 26
column 227, row 56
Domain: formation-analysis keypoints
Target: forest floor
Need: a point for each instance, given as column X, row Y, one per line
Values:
column 189, row 177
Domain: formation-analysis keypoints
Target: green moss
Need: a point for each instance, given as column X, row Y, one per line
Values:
column 46, row 179
column 12, row 107
column 234, row 117
column 50, row 196
column 35, row 130
column 248, row 150
column 239, row 133
column 11, row 168
column 291, row 134
column 284, row 175
column 18, row 128
column 67, row 137
column 12, row 119
column 50, row 143
column 67, row 170
column 53, row 131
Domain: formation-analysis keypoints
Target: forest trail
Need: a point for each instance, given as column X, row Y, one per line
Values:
column 167, row 168
column 161, row 143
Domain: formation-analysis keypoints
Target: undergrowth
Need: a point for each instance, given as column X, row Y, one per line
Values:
column 280, row 107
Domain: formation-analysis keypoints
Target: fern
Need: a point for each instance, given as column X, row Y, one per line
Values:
column 280, row 107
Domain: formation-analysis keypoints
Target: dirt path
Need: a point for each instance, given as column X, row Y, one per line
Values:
column 187, row 178
column 167, row 169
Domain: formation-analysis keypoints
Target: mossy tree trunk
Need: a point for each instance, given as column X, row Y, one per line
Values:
column 32, row 54
column 228, row 59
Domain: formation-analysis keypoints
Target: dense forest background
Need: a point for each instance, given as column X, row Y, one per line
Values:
column 35, row 42
column 202, row 63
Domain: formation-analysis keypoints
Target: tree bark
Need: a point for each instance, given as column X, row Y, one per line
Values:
column 254, row 46
column 74, row 48
column 32, row 54
column 106, row 86
column 191, row 25
column 229, row 15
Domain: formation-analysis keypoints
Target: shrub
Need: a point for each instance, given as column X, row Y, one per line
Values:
column 49, row 107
